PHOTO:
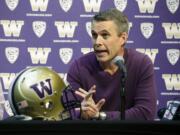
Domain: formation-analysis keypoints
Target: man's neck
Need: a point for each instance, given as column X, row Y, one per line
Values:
column 110, row 68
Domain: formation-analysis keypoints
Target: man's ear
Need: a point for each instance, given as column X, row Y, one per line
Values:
column 124, row 37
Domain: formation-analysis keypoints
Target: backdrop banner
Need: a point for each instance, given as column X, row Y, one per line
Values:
column 53, row 33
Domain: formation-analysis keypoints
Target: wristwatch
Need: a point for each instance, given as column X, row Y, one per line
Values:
column 102, row 116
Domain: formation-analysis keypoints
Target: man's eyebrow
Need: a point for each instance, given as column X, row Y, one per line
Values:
column 102, row 31
column 93, row 31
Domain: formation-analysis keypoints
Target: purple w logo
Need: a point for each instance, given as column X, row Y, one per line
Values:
column 39, row 88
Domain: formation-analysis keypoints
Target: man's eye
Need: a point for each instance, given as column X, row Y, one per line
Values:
column 94, row 35
column 105, row 35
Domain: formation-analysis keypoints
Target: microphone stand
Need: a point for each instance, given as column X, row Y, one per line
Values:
column 122, row 95
column 119, row 61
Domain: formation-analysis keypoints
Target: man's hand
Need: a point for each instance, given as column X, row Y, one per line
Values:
column 88, row 107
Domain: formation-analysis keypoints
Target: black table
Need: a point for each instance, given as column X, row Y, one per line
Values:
column 78, row 127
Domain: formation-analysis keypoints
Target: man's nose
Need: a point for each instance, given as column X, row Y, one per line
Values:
column 99, row 40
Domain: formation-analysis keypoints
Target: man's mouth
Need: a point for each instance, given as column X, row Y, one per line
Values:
column 101, row 52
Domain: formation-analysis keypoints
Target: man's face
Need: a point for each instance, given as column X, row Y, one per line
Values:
column 107, row 43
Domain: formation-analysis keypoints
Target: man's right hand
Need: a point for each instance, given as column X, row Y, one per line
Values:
column 89, row 109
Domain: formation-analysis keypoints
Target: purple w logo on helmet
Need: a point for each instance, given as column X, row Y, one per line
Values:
column 41, row 87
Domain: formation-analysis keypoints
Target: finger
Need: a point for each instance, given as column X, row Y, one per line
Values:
column 93, row 88
column 80, row 94
column 83, row 95
column 86, row 92
column 100, row 104
column 89, row 95
column 88, row 104
column 83, row 91
column 88, row 110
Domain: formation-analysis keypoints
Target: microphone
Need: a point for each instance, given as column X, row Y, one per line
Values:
column 119, row 61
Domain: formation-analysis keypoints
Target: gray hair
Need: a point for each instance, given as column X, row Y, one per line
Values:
column 115, row 15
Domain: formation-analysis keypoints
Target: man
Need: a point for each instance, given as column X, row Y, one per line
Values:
column 96, row 78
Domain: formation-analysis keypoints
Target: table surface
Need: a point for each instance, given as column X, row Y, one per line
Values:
column 91, row 127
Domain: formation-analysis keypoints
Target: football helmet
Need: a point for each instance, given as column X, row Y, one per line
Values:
column 37, row 92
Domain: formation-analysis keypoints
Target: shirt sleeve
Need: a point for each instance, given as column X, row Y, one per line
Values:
column 73, row 76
